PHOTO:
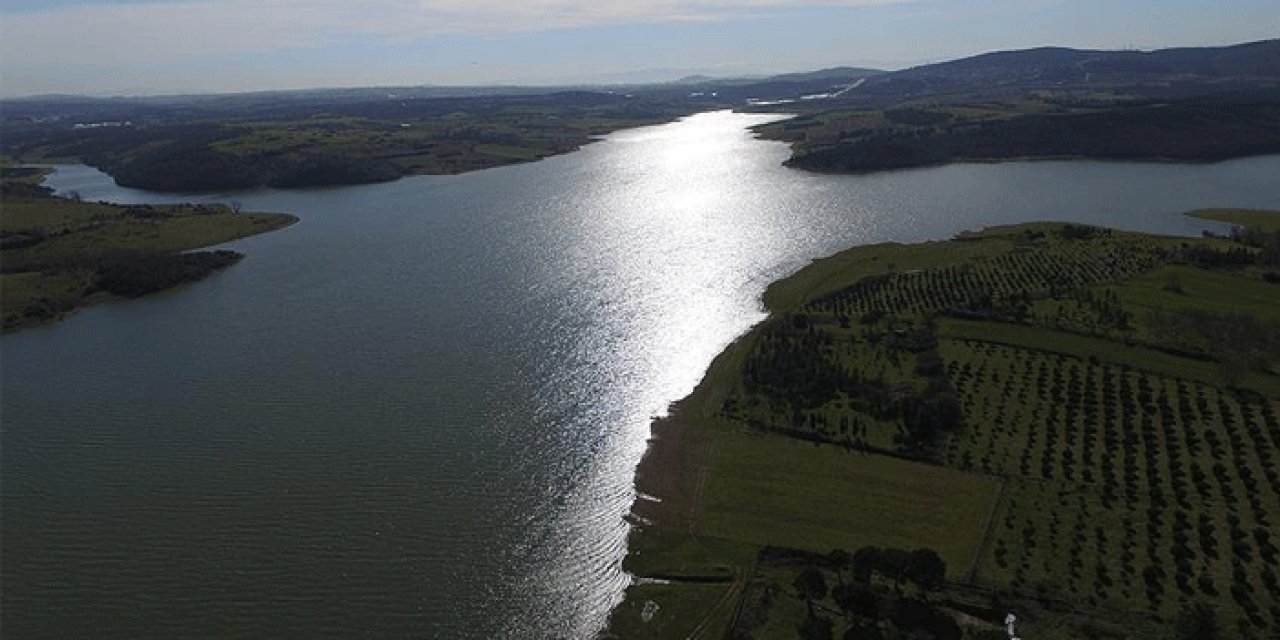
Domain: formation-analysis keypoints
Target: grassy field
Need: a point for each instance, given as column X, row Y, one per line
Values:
column 773, row 490
column 61, row 254
column 1064, row 414
column 175, row 231
column 1256, row 218
column 759, row 489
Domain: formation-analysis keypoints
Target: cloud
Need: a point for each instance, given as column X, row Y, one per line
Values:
column 185, row 31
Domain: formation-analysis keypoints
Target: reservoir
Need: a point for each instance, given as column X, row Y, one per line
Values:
column 417, row 413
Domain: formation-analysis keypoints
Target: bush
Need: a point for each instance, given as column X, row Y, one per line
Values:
column 141, row 276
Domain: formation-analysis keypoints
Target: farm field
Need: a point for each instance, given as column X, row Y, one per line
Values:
column 771, row 490
column 1063, row 414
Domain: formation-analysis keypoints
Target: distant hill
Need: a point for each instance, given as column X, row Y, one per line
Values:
column 1167, row 72
column 1188, row 105
column 785, row 87
column 1200, row 129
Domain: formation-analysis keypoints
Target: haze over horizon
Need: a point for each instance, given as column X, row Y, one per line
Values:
column 149, row 47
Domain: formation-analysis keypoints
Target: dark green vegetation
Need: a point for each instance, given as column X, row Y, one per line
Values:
column 1181, row 105
column 1191, row 130
column 1077, row 424
column 59, row 254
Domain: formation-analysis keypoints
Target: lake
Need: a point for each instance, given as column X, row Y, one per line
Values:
column 417, row 413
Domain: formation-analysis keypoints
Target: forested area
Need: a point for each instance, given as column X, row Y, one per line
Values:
column 1195, row 130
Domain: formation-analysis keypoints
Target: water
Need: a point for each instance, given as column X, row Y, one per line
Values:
column 417, row 413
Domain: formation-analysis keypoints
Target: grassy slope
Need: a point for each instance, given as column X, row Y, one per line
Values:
column 726, row 489
column 59, row 274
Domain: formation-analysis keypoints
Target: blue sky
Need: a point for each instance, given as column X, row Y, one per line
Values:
column 126, row 47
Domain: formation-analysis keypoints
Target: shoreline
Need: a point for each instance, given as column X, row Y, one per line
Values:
column 660, row 478
column 390, row 174
column 1154, row 160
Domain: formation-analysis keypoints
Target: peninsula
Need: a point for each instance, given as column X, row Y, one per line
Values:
column 1074, row 424
column 62, row 254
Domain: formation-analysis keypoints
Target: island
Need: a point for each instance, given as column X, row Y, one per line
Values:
column 59, row 255
column 1068, row 428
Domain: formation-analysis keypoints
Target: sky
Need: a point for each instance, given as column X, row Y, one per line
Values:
column 147, row 47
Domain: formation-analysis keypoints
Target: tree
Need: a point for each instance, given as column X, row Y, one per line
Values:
column 839, row 559
column 811, row 585
column 858, row 601
column 895, row 564
column 865, row 562
column 927, row 569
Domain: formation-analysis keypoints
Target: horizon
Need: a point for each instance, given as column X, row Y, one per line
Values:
column 147, row 48
column 602, row 81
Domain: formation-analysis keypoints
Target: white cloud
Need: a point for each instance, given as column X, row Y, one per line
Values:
column 187, row 31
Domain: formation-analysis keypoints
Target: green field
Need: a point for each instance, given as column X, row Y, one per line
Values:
column 1081, row 422
column 771, row 490
column 61, row 254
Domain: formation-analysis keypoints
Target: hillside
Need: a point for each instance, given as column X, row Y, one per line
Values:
column 1201, row 129
column 1161, row 73
column 1174, row 105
